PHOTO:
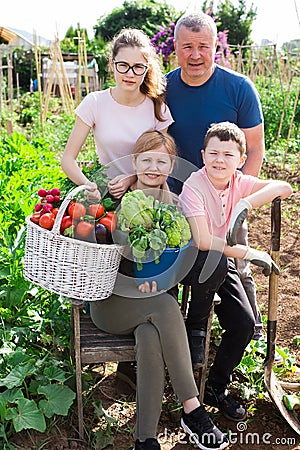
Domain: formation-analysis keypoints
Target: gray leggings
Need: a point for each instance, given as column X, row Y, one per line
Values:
column 160, row 340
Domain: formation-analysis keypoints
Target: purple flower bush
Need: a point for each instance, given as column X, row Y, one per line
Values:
column 163, row 42
column 223, row 50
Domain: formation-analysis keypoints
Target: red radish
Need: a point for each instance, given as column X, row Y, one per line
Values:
column 42, row 193
column 55, row 191
column 38, row 207
column 56, row 198
column 47, row 207
column 50, row 198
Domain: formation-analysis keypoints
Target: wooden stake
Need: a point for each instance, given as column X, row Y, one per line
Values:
column 290, row 129
column 10, row 81
column 37, row 56
column 86, row 78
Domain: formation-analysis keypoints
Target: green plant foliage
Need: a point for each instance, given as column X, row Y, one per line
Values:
column 237, row 20
column 251, row 368
column 296, row 340
column 103, row 437
column 34, row 360
column 281, row 110
column 59, row 399
column 147, row 15
column 26, row 415
column 70, row 41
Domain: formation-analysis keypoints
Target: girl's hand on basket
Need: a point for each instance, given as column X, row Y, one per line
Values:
column 93, row 193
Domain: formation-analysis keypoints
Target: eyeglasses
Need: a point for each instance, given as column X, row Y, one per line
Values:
column 124, row 67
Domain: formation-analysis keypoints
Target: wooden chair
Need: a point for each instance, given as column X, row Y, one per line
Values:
column 91, row 345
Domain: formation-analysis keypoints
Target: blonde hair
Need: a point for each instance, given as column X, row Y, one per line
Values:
column 227, row 131
column 154, row 83
column 150, row 140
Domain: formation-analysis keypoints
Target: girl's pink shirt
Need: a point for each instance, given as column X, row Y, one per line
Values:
column 200, row 198
column 116, row 127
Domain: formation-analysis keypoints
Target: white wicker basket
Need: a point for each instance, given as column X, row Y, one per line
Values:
column 67, row 266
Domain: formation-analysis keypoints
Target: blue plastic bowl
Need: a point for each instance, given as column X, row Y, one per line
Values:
column 166, row 272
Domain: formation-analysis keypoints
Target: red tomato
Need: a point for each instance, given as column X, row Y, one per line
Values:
column 96, row 210
column 55, row 211
column 47, row 221
column 84, row 229
column 66, row 222
column 109, row 221
column 76, row 210
column 110, row 214
column 35, row 217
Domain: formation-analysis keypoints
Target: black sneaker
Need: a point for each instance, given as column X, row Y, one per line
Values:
column 196, row 340
column 227, row 405
column 149, row 444
column 202, row 431
column 126, row 371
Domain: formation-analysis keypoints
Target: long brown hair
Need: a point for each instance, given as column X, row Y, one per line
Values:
column 154, row 84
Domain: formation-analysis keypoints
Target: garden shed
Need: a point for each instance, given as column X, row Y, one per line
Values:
column 20, row 38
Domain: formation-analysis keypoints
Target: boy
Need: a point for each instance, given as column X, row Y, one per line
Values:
column 216, row 200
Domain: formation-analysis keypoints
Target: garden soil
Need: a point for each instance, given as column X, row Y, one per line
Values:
column 265, row 429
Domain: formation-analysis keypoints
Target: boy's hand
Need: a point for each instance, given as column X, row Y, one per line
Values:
column 238, row 216
column 262, row 259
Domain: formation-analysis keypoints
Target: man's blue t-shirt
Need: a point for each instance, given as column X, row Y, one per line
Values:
column 225, row 96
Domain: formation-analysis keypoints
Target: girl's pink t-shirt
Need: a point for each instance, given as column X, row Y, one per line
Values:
column 116, row 127
column 200, row 198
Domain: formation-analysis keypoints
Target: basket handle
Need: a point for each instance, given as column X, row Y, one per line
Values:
column 64, row 205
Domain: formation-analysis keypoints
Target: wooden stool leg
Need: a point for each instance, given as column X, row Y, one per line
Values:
column 184, row 299
column 76, row 318
column 203, row 369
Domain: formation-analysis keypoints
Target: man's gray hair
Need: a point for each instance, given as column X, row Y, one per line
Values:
column 195, row 22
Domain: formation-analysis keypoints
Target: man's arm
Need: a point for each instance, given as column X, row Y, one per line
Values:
column 255, row 150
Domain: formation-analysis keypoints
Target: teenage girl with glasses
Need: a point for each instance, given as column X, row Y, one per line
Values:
column 120, row 114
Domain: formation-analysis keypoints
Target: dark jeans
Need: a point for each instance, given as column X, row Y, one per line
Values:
column 205, row 278
column 234, row 312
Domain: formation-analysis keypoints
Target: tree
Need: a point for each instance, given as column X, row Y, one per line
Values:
column 238, row 21
column 70, row 41
column 147, row 15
